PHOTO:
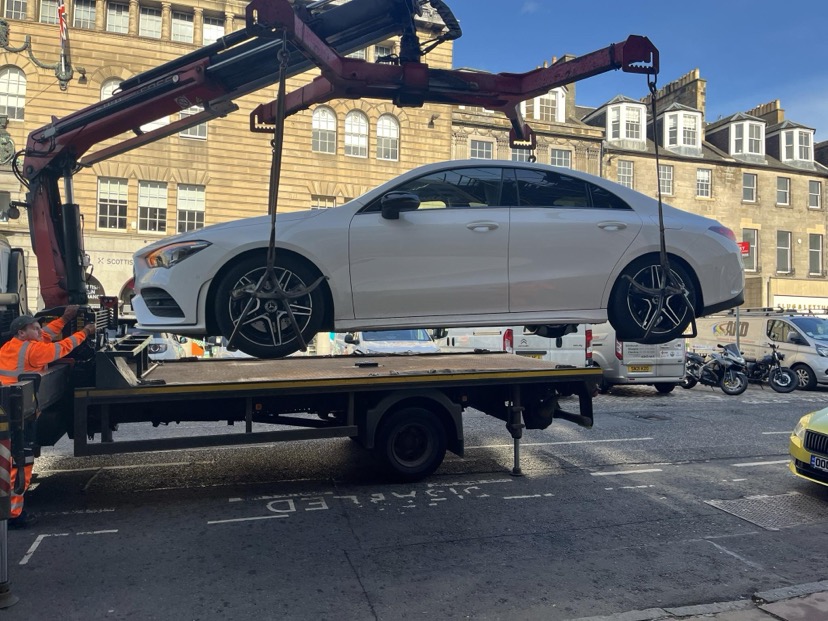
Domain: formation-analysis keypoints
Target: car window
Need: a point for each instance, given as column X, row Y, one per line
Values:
column 456, row 188
column 604, row 199
column 780, row 330
column 815, row 327
column 541, row 188
column 396, row 335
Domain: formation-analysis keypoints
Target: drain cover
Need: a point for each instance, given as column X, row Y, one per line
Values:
column 775, row 512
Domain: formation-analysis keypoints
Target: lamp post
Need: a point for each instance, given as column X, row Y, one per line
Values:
column 64, row 72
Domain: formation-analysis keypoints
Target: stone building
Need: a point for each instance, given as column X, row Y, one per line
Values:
column 755, row 171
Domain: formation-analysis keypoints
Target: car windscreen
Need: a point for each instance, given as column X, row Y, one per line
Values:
column 814, row 327
column 396, row 335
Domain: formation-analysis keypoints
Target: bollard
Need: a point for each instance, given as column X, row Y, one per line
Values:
column 7, row 598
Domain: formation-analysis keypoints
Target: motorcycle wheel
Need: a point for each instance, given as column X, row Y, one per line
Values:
column 783, row 380
column 688, row 382
column 734, row 383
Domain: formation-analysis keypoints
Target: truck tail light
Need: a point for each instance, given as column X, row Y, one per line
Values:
column 619, row 349
column 588, row 344
column 509, row 341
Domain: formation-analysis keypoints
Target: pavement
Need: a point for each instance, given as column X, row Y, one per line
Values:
column 803, row 602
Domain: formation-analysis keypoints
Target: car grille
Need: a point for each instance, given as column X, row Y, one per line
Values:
column 816, row 442
column 160, row 303
column 810, row 472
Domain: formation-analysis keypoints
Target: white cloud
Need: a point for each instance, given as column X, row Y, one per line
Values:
column 530, row 6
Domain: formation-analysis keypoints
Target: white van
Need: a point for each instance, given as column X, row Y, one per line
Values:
column 372, row 342
column 570, row 350
column 661, row 366
column 802, row 338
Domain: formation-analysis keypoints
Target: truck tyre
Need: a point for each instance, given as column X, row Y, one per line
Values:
column 807, row 378
column 664, row 387
column 411, row 443
column 267, row 332
column 631, row 310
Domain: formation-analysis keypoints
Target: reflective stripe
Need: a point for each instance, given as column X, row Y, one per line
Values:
column 21, row 362
column 49, row 332
column 74, row 340
column 57, row 351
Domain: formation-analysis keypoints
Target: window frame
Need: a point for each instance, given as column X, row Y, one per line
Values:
column 84, row 13
column 663, row 177
column 742, row 139
column 196, row 132
column 357, row 128
column 622, row 124
column 783, row 194
column 678, row 131
column 190, row 200
column 554, row 158
column 622, row 176
column 149, row 22
column 121, row 204
column 16, row 9
column 324, row 130
column 704, row 188
column 150, row 192
column 13, row 84
column 814, row 198
column 182, row 28
column 210, row 26
column 48, row 12
column 750, row 262
column 753, row 189
column 787, row 249
column 815, row 251
column 115, row 14
column 476, row 144
column 388, row 138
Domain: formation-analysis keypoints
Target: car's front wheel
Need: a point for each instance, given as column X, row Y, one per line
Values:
column 632, row 310
column 266, row 330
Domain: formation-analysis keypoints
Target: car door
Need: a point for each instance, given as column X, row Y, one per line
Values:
column 566, row 236
column 447, row 257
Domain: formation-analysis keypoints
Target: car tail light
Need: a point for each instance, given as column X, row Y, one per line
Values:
column 724, row 231
column 588, row 339
column 509, row 341
column 619, row 349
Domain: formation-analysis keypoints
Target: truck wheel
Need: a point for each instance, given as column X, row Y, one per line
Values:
column 664, row 387
column 807, row 378
column 412, row 443
column 267, row 331
column 631, row 310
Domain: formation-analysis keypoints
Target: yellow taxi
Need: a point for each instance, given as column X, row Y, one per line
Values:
column 809, row 447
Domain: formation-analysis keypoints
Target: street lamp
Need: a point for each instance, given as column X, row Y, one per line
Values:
column 64, row 72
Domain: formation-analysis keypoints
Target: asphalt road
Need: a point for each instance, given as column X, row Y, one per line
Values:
column 669, row 500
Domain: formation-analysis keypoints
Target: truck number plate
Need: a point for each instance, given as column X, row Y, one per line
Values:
column 538, row 356
column 819, row 462
column 639, row 368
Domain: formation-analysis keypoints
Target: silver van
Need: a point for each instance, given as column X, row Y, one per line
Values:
column 802, row 338
column 374, row 342
column 661, row 366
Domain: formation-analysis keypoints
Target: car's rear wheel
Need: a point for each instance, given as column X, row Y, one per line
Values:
column 632, row 311
column 664, row 387
column 266, row 331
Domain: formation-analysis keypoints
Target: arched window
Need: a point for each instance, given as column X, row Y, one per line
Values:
column 109, row 86
column 388, row 138
column 12, row 92
column 356, row 134
column 323, row 139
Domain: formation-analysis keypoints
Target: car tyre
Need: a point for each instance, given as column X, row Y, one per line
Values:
column 267, row 331
column 664, row 387
column 411, row 443
column 807, row 378
column 630, row 310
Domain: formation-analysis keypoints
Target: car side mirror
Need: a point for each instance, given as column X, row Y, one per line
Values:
column 395, row 202
column 796, row 339
column 439, row 333
column 351, row 339
column 182, row 339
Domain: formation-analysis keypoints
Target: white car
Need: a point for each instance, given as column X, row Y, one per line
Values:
column 451, row 244
column 373, row 342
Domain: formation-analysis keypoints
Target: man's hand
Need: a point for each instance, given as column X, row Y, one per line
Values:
column 70, row 313
column 90, row 330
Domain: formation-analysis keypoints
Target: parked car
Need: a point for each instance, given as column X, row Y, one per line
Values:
column 451, row 244
column 416, row 341
column 809, row 447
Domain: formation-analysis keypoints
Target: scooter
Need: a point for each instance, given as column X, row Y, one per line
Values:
column 719, row 370
column 769, row 369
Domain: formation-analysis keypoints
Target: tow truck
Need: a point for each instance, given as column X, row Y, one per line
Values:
column 408, row 410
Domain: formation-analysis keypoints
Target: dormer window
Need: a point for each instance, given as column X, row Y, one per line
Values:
column 797, row 145
column 683, row 129
column 748, row 138
column 625, row 121
column 549, row 107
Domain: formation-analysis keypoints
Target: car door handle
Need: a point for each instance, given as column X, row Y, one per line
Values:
column 612, row 226
column 482, row 226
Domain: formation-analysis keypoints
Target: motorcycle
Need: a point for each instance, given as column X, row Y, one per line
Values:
column 720, row 370
column 769, row 369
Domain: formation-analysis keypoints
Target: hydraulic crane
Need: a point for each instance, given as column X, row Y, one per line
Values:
column 319, row 34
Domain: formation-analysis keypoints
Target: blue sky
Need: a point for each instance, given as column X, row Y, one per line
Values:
column 749, row 52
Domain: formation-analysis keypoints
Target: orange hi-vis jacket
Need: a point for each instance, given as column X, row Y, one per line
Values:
column 18, row 356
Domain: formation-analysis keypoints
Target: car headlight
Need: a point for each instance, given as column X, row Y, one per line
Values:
column 822, row 350
column 157, row 348
column 169, row 255
column 801, row 426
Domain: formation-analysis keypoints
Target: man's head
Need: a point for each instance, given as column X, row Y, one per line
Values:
column 26, row 328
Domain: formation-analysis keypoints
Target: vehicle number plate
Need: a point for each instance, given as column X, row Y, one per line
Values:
column 538, row 356
column 819, row 462
column 639, row 368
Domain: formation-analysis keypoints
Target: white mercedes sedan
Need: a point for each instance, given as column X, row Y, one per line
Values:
column 450, row 244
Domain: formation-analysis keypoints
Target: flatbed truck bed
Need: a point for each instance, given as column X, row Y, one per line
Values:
column 407, row 409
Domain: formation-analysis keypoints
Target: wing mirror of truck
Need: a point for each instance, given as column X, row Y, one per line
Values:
column 796, row 339
column 351, row 339
column 394, row 203
column 439, row 333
